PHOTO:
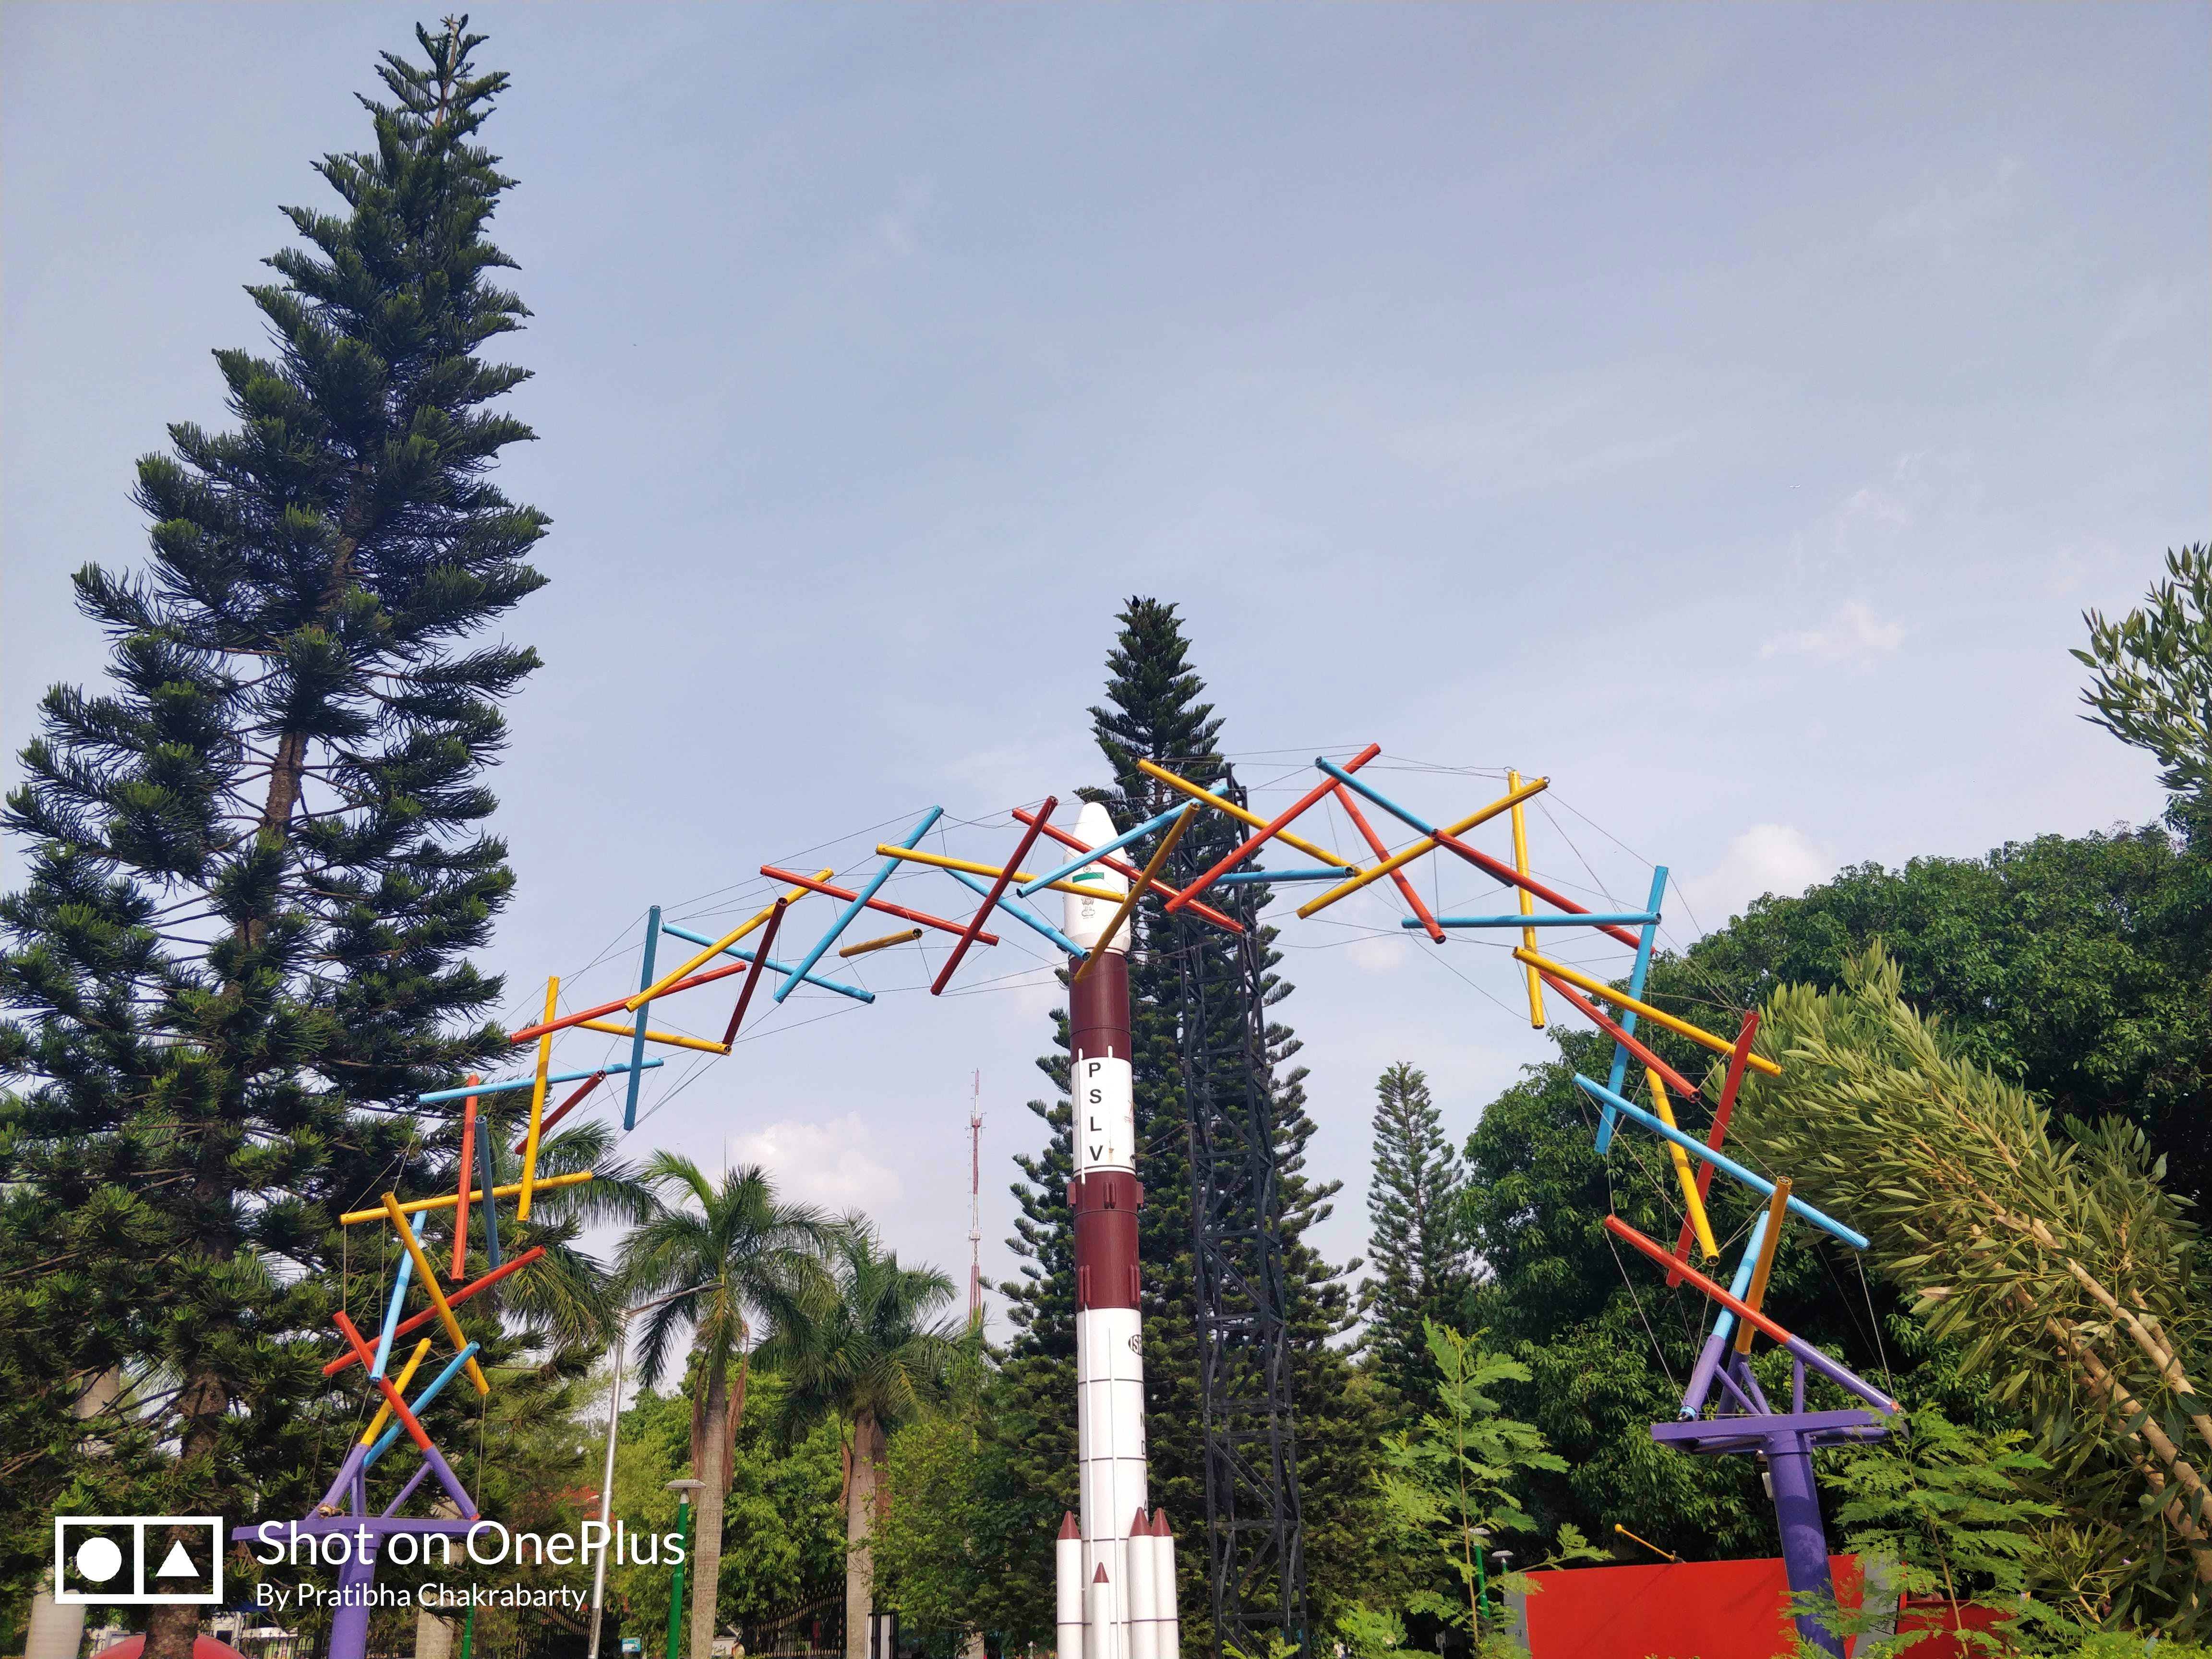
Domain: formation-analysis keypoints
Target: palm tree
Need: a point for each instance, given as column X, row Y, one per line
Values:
column 870, row 1360
column 737, row 1258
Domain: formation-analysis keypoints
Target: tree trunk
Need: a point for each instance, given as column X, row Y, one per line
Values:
column 171, row 1629
column 707, row 1545
column 860, row 1520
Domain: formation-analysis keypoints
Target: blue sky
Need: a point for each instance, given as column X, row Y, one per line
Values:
column 1725, row 411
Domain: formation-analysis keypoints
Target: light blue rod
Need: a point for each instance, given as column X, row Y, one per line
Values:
column 398, row 1295
column 1237, row 877
column 772, row 965
column 1740, row 1287
column 1725, row 1165
column 1379, row 798
column 453, row 1369
column 637, row 1022
column 1624, row 918
column 1020, row 913
column 490, row 1206
column 860, row 903
column 1714, row 1351
column 514, row 1083
column 1098, row 853
column 1635, row 989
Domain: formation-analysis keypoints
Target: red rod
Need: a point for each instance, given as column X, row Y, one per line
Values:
column 745, row 996
column 1506, row 873
column 605, row 1008
column 883, row 905
column 1680, row 1085
column 1739, row 1057
column 998, row 891
column 1375, row 845
column 454, row 1299
column 390, row 1394
column 461, row 1207
column 1274, row 827
column 1131, row 870
column 561, row 1111
column 1742, row 1310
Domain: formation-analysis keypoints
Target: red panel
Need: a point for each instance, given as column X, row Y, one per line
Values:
column 1668, row 1610
column 1936, row 1615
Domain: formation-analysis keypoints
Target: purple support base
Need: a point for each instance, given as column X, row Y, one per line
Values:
column 349, row 1626
column 1788, row 1439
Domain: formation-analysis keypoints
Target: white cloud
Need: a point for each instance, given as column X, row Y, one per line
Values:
column 820, row 1162
column 1767, row 857
column 1867, row 505
column 1853, row 633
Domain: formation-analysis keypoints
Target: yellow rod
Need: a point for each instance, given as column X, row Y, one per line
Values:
column 719, row 946
column 669, row 1037
column 1243, row 817
column 1426, row 844
column 882, row 944
column 1598, row 987
column 1137, row 889
column 1646, row 1542
column 1698, row 1223
column 446, row 1201
column 536, row 1103
column 429, row 1275
column 1528, row 900
column 940, row 861
column 383, row 1408
column 1778, row 1211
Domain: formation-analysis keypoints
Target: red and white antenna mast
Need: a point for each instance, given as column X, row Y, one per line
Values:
column 975, row 1203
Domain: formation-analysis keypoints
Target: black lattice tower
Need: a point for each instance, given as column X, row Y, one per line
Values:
column 1253, row 1536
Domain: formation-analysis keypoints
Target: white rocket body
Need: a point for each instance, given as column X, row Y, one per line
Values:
column 1067, row 1565
column 1123, row 1608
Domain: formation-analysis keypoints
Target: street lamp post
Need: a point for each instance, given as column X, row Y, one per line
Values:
column 683, row 1489
column 607, row 1476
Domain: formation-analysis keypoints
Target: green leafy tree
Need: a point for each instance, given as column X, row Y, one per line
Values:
column 2079, row 967
column 257, row 858
column 952, row 1515
column 783, row 1531
column 2061, row 1266
column 870, row 1359
column 1155, row 710
column 2153, row 687
column 1414, row 1240
column 1950, row 1508
column 1452, row 1482
column 728, row 1259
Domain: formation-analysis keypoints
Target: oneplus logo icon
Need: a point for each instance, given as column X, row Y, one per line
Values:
column 146, row 1558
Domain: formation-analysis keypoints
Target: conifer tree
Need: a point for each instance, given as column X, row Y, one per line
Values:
column 1154, row 711
column 257, row 856
column 1414, row 1247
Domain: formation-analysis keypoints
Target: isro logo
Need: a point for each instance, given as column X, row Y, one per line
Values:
column 146, row 1558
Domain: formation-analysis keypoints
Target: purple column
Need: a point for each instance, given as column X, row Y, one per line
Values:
column 1804, row 1543
column 349, row 1630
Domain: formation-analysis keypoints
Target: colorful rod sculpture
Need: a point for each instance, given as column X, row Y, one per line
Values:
column 1116, row 1575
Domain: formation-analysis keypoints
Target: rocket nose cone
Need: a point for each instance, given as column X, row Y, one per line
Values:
column 1083, row 916
column 1100, row 1577
column 1094, row 824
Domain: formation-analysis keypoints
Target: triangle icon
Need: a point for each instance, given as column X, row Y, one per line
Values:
column 176, row 1564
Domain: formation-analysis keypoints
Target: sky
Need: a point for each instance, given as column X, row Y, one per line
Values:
column 1726, row 412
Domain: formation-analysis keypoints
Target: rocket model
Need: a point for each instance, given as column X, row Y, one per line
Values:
column 1115, row 1568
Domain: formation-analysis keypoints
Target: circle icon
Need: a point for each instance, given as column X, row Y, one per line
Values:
column 98, row 1559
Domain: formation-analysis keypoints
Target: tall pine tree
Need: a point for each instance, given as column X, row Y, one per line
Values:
column 256, row 858
column 1414, row 1245
column 1154, row 710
